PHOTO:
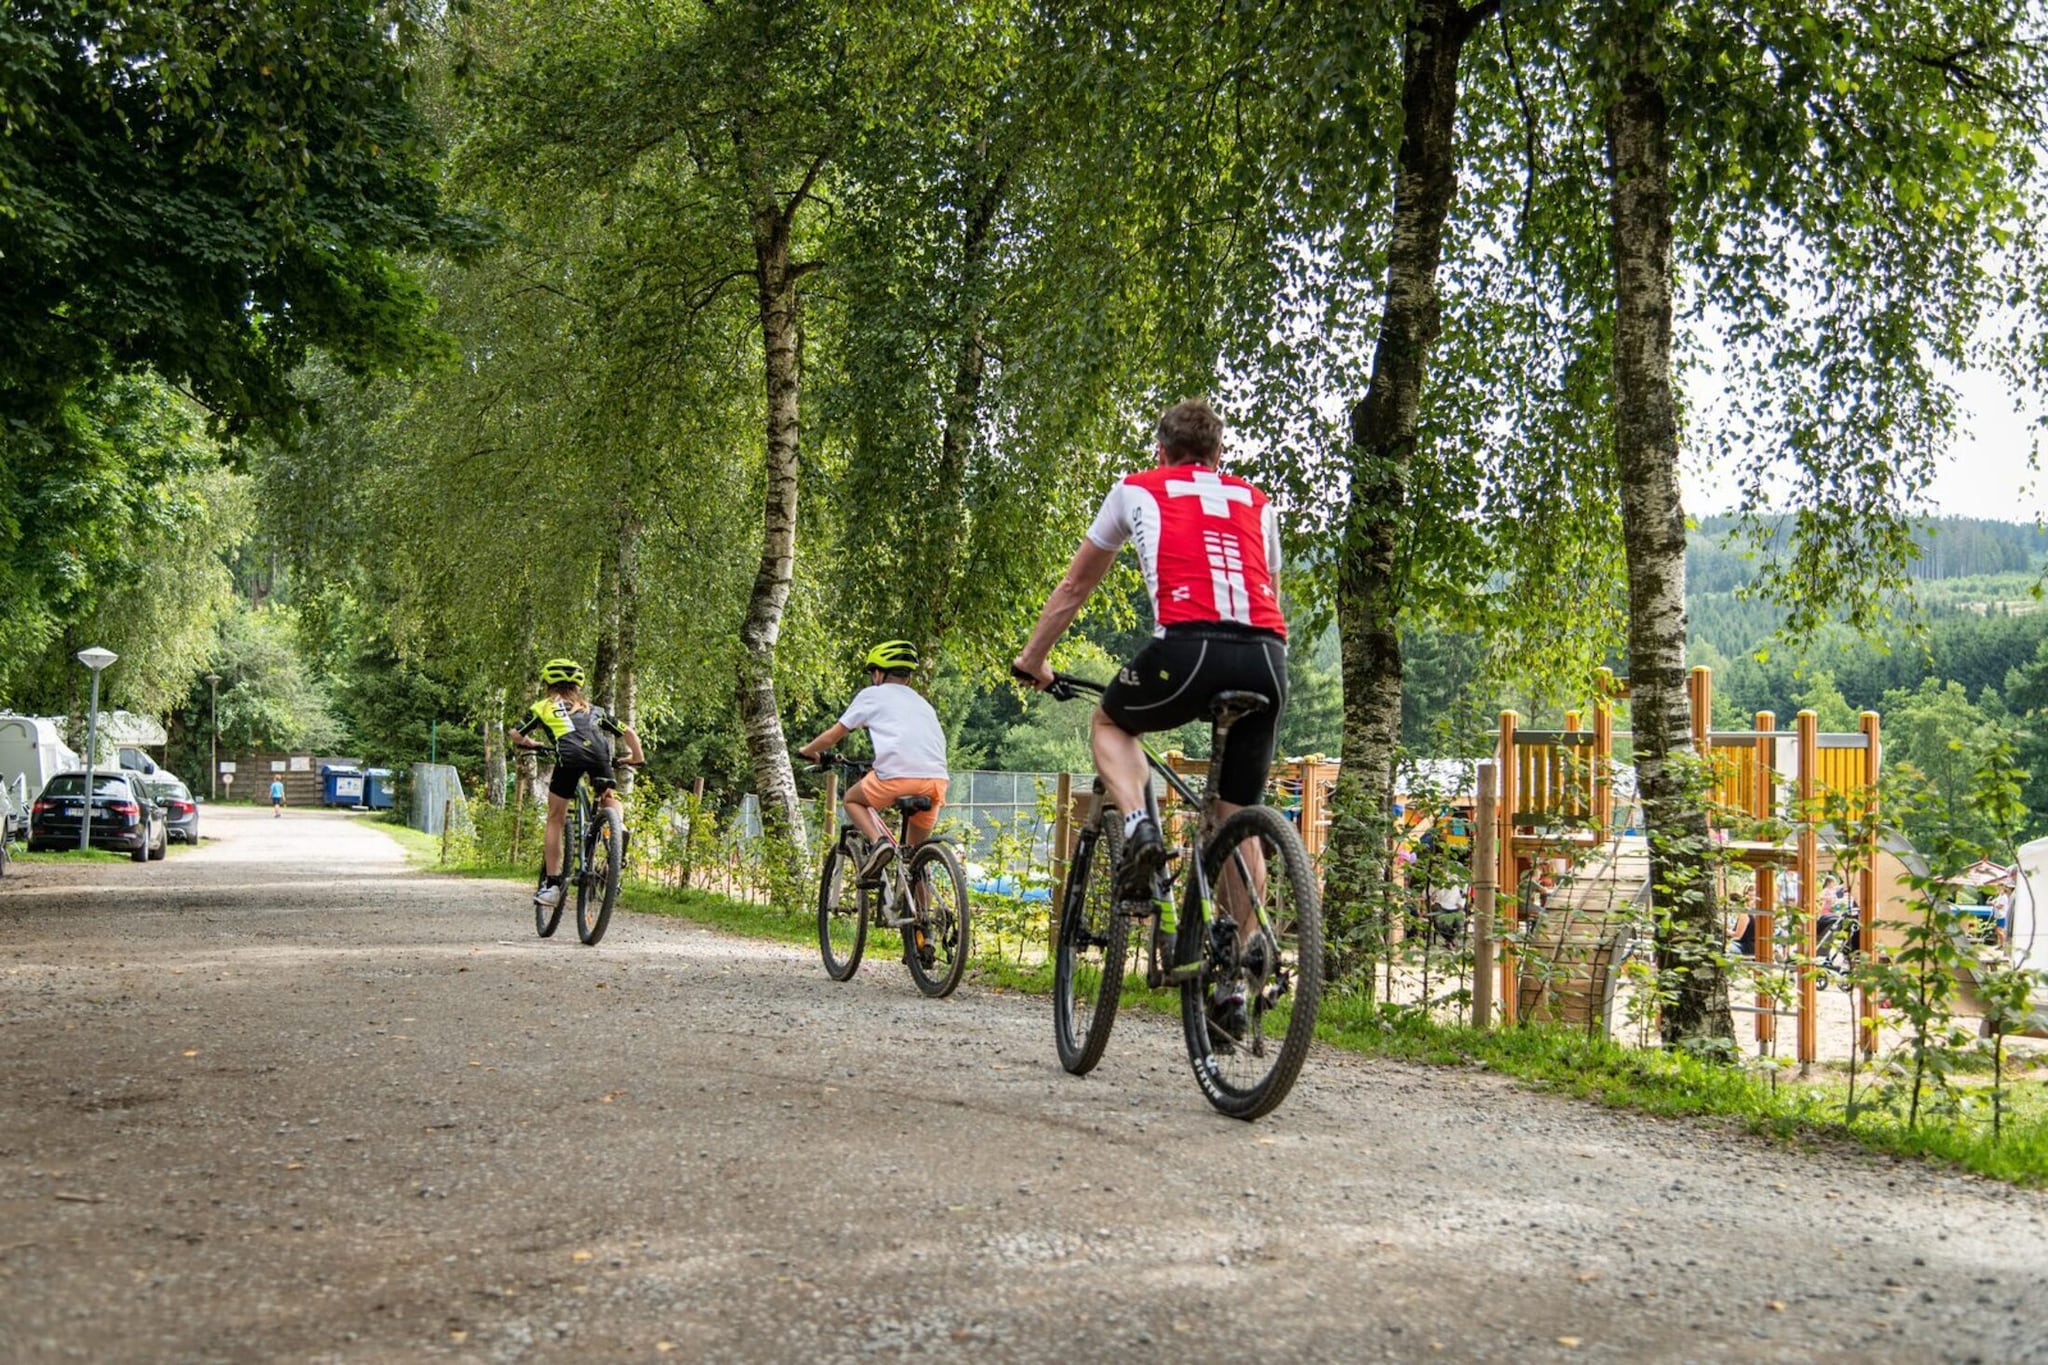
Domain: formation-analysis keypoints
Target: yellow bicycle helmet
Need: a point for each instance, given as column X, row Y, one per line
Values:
column 557, row 671
column 892, row 656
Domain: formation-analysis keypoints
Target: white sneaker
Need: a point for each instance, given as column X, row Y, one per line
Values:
column 549, row 895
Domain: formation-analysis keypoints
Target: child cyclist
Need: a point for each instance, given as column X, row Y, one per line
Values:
column 910, row 748
column 582, row 734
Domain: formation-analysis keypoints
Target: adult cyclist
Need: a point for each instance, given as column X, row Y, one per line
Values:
column 1208, row 544
column 582, row 735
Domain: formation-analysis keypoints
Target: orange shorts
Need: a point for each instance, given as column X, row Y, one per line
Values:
column 882, row 792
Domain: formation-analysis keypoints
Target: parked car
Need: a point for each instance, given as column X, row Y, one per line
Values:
column 181, row 812
column 124, row 816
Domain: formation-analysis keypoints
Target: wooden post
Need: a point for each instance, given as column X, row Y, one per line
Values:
column 1809, row 887
column 1702, row 693
column 697, row 789
column 1311, row 807
column 1485, row 898
column 1764, row 922
column 1866, row 911
column 1505, row 854
column 1603, row 753
column 1062, row 856
column 447, row 814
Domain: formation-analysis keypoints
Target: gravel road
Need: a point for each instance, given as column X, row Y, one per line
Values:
column 281, row 1097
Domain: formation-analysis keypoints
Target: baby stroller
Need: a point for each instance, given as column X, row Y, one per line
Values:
column 1837, row 943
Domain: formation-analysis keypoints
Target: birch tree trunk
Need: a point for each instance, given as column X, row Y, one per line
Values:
column 956, row 439
column 760, row 714
column 1383, row 427
column 626, row 679
column 1653, row 532
column 494, row 747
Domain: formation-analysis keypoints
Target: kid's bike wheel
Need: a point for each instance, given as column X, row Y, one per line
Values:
column 599, row 889
column 1246, row 1058
column 842, row 910
column 547, row 917
column 938, row 939
column 1088, row 963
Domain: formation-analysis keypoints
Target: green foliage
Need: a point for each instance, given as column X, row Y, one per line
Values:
column 268, row 697
column 114, row 534
column 209, row 191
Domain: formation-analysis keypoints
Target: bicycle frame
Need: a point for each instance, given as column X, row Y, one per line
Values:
column 896, row 876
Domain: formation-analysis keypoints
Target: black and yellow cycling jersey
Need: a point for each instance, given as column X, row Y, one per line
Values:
column 581, row 736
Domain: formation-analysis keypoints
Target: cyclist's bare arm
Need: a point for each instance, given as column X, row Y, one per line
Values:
column 832, row 734
column 1089, row 564
column 635, row 755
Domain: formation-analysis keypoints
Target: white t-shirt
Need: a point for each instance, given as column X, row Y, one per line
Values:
column 909, row 741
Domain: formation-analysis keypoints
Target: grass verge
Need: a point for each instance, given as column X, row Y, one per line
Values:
column 18, row 854
column 1563, row 1062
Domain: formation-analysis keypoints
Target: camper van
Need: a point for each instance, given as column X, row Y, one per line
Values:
column 31, row 753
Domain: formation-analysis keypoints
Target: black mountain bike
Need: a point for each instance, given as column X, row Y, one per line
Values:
column 925, row 896
column 1248, row 908
column 593, row 860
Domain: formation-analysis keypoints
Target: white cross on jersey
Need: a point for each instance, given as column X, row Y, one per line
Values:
column 1215, row 494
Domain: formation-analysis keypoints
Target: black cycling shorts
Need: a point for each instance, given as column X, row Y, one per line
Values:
column 569, row 767
column 1176, row 677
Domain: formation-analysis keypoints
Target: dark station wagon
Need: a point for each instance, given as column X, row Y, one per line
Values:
column 124, row 815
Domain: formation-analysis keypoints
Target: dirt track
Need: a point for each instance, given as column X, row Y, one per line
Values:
column 281, row 1097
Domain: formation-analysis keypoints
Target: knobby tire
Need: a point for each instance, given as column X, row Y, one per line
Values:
column 944, row 920
column 842, row 910
column 1088, row 966
column 1250, row 1079
column 598, row 891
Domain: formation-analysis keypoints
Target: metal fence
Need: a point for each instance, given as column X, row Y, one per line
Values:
column 434, row 797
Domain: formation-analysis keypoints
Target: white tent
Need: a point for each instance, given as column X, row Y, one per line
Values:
column 2029, row 946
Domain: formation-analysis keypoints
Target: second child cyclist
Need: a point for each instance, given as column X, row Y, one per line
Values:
column 910, row 749
column 582, row 734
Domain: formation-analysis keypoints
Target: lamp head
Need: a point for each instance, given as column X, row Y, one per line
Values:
column 96, row 658
column 213, row 680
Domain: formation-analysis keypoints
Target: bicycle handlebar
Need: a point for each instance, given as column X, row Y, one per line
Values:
column 1064, row 686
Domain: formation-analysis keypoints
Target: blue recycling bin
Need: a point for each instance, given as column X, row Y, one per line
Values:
column 341, row 784
column 377, row 788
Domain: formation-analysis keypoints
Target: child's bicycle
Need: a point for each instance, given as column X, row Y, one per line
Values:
column 593, row 860
column 1253, row 863
column 925, row 896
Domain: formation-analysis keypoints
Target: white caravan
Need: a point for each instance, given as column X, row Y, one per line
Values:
column 32, row 751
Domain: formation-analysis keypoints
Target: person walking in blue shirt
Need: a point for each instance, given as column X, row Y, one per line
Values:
column 277, row 797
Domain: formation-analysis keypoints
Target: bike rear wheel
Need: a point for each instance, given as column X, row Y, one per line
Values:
column 1246, row 1065
column 1088, row 963
column 939, row 937
column 599, row 889
column 842, row 910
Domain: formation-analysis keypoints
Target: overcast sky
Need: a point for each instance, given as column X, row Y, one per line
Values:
column 1985, row 475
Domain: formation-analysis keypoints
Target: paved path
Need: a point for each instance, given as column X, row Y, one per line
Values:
column 281, row 1097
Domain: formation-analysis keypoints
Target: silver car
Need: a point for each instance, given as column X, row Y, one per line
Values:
column 181, row 811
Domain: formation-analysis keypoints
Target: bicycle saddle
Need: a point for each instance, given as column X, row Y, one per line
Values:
column 1231, row 706
column 913, row 804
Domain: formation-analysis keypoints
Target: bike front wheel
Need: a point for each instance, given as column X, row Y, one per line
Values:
column 1088, row 961
column 842, row 911
column 937, row 940
column 1246, row 1055
column 599, row 889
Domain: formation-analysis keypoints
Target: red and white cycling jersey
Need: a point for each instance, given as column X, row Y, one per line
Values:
column 1208, row 543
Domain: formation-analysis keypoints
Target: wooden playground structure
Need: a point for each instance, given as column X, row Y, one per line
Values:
column 1769, row 787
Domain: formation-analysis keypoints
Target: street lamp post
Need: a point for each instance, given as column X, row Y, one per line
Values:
column 213, row 773
column 94, row 659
